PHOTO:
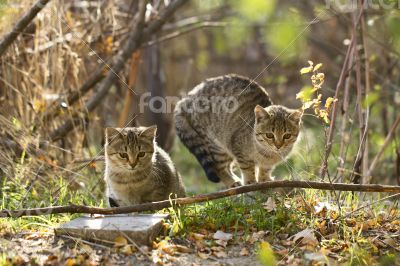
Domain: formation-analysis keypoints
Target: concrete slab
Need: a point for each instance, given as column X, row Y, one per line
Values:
column 141, row 228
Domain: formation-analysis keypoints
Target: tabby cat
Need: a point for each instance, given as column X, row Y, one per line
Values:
column 137, row 169
column 255, row 135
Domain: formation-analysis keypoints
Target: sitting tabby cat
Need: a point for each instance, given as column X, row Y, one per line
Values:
column 137, row 169
column 256, row 138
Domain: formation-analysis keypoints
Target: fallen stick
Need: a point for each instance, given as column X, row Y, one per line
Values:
column 153, row 206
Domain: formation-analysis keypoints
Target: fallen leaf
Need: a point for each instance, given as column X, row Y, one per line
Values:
column 306, row 236
column 389, row 241
column 120, row 242
column 270, row 205
column 316, row 256
column 257, row 236
column 202, row 255
column 219, row 235
column 221, row 243
column 197, row 236
column 217, row 248
column 266, row 254
column 70, row 262
column 183, row 249
column 127, row 250
column 244, row 252
column 220, row 254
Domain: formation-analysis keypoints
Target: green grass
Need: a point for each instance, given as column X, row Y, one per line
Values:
column 20, row 192
column 243, row 216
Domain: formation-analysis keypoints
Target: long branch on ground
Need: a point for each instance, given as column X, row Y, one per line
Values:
column 153, row 206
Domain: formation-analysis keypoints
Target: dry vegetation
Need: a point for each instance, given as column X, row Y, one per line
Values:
column 82, row 65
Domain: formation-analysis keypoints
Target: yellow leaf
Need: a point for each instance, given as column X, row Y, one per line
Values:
column 305, row 70
column 120, row 242
column 39, row 106
column 306, row 94
column 324, row 115
column 310, row 62
column 329, row 102
column 318, row 66
column 266, row 254
column 321, row 76
column 70, row 262
column 127, row 250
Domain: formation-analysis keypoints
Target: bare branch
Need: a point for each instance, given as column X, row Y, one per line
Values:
column 342, row 76
column 153, row 206
column 10, row 37
column 382, row 149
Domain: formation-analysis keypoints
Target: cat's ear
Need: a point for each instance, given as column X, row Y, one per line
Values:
column 296, row 115
column 260, row 113
column 111, row 133
column 149, row 132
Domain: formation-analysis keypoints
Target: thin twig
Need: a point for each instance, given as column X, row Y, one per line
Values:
column 388, row 139
column 178, row 33
column 153, row 206
column 329, row 140
column 366, row 92
column 77, row 240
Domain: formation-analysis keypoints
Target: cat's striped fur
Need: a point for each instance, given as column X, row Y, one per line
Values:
column 220, row 138
column 137, row 169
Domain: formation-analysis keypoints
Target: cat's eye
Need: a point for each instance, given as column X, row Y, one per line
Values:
column 141, row 154
column 123, row 155
column 269, row 135
column 287, row 136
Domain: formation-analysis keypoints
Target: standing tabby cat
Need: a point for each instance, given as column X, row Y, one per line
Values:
column 253, row 137
column 137, row 170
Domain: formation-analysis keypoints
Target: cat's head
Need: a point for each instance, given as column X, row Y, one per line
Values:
column 131, row 148
column 277, row 127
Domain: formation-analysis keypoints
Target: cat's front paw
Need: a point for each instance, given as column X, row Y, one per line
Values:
column 112, row 202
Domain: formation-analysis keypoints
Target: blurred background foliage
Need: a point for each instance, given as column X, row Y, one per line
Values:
column 266, row 40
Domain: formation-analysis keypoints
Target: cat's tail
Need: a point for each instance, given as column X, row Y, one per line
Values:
column 196, row 142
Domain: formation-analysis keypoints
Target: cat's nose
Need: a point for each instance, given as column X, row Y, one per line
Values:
column 132, row 164
column 278, row 145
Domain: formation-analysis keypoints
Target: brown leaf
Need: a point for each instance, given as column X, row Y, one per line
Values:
column 219, row 235
column 244, row 252
column 270, row 205
column 220, row 254
column 183, row 249
column 221, row 243
column 204, row 256
column 305, row 237
column 120, row 242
